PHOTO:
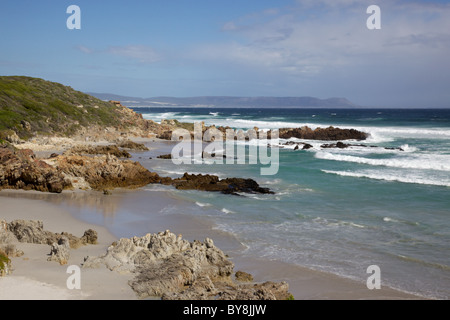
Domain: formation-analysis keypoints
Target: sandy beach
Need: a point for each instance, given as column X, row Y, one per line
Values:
column 36, row 278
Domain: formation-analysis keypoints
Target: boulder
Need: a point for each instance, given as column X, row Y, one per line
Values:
column 60, row 251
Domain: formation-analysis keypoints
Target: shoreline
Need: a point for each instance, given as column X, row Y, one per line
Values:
column 48, row 279
column 91, row 209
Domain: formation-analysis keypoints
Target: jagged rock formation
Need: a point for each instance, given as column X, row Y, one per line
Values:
column 167, row 266
column 105, row 172
column 29, row 231
column 19, row 169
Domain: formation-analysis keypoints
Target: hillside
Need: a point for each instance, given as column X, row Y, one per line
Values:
column 226, row 101
column 31, row 106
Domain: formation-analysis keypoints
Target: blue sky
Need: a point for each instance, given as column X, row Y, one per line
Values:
column 182, row 48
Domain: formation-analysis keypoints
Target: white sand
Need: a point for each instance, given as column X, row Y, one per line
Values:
column 36, row 278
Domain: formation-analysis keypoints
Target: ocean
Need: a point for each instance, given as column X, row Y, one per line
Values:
column 336, row 210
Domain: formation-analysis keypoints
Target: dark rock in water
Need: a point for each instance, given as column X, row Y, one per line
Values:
column 307, row 146
column 213, row 183
column 296, row 147
column 339, row 145
column 165, row 157
column 342, row 145
column 329, row 133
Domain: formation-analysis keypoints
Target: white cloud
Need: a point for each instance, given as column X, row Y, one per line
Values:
column 304, row 39
column 84, row 49
column 143, row 54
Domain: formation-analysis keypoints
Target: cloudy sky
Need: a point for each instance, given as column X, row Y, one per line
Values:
column 182, row 48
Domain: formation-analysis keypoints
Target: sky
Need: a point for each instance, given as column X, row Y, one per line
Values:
column 181, row 48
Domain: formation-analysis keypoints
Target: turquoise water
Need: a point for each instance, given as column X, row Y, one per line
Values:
column 339, row 210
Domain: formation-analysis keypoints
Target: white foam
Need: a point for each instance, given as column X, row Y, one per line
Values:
column 225, row 210
column 201, row 204
column 440, row 162
column 390, row 176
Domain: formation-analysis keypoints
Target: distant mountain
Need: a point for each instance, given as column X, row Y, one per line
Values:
column 226, row 101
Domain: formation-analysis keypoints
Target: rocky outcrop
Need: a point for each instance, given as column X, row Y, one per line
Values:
column 167, row 266
column 213, row 183
column 19, row 169
column 330, row 133
column 105, row 172
column 29, row 231
column 106, row 150
column 327, row 134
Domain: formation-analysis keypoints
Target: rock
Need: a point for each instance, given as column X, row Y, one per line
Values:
column 106, row 172
column 31, row 232
column 60, row 251
column 20, row 170
column 265, row 291
column 25, row 125
column 89, row 237
column 106, row 150
column 128, row 144
column 329, row 133
column 167, row 266
column 243, row 276
column 339, row 145
column 165, row 157
column 213, row 183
